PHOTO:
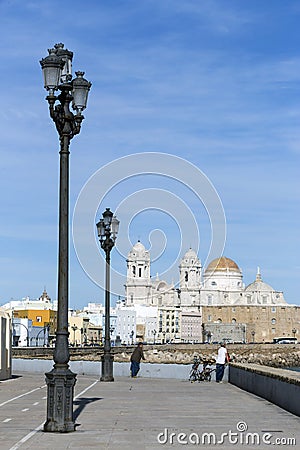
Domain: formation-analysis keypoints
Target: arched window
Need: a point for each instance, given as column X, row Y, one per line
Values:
column 186, row 277
column 133, row 270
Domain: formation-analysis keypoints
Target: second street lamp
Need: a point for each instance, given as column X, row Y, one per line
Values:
column 107, row 228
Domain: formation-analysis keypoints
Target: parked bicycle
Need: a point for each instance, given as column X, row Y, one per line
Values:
column 200, row 375
column 195, row 373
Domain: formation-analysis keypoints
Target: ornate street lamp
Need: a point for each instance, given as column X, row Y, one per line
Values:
column 107, row 228
column 112, row 329
column 131, row 335
column 74, row 328
column 57, row 71
column 209, row 337
column 154, row 334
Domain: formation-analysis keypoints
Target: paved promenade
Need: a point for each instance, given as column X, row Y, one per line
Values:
column 143, row 413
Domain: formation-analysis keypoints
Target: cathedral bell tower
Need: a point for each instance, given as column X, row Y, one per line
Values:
column 138, row 283
column 190, row 279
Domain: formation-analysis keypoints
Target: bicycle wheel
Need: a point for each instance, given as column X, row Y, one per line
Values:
column 193, row 376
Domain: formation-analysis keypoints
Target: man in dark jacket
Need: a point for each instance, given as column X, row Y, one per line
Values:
column 135, row 359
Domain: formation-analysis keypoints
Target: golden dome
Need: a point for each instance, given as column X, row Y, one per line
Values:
column 222, row 264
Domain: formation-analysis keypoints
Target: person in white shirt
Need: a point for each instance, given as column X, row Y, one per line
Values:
column 222, row 359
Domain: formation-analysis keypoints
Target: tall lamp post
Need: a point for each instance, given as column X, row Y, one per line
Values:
column 112, row 329
column 57, row 71
column 131, row 335
column 74, row 328
column 154, row 334
column 107, row 228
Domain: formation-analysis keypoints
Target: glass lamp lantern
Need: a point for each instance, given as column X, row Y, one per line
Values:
column 101, row 229
column 80, row 92
column 114, row 227
column 107, row 217
column 67, row 56
column 52, row 67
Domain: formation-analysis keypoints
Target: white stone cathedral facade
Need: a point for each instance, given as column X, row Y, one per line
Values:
column 220, row 284
column 183, row 313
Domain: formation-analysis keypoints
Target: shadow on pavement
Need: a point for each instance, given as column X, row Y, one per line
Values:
column 82, row 402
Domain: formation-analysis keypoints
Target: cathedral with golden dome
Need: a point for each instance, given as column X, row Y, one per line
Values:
column 219, row 284
column 207, row 304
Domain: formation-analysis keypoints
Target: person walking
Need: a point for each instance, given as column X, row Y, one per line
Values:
column 135, row 359
column 222, row 359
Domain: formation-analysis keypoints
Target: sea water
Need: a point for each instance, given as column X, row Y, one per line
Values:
column 295, row 369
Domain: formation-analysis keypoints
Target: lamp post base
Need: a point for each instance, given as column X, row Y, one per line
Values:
column 107, row 366
column 60, row 384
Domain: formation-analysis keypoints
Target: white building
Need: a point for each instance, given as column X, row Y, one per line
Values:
column 191, row 327
column 125, row 328
column 94, row 312
column 43, row 302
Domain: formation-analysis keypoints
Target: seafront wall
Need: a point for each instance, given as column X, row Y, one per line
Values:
column 279, row 386
column 121, row 369
column 274, row 355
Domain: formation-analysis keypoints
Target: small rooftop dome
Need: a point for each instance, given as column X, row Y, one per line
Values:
column 259, row 285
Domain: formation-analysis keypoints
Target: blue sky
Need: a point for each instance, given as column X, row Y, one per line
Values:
column 215, row 83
